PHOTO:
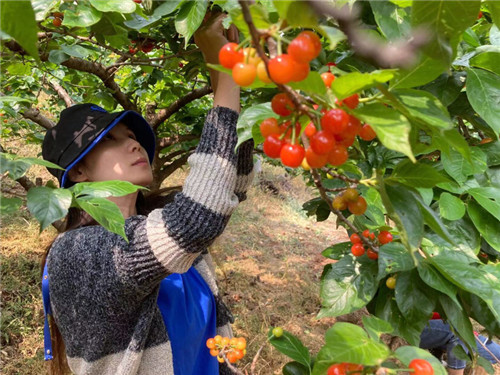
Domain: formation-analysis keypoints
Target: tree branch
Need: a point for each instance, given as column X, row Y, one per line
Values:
column 63, row 94
column 400, row 54
column 34, row 115
column 155, row 119
column 169, row 141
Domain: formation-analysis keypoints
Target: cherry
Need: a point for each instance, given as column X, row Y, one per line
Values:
column 313, row 38
column 421, row 367
column 367, row 133
column 351, row 195
column 390, row 282
column 302, row 49
column 339, row 203
column 229, row 55
column 310, row 130
column 300, row 71
column 292, row 155
column 244, row 74
column 355, row 238
column 314, row 160
column 358, row 207
column 353, row 127
column 57, row 22
column 211, row 343
column 250, row 56
column 58, row 15
column 272, row 146
column 262, row 72
column 384, row 237
column 277, row 332
column 357, row 249
column 345, row 369
column 147, row 47
column 282, row 105
column 372, row 254
column 132, row 50
column 138, row 1
column 366, row 233
column 327, row 78
column 281, row 69
column 322, row 142
column 338, row 155
column 269, row 126
column 350, row 102
column 335, row 121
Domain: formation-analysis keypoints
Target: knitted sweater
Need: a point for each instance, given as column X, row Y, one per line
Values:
column 104, row 290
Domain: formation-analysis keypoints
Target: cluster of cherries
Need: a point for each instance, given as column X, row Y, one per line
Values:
column 58, row 18
column 234, row 349
column 284, row 68
column 417, row 366
column 350, row 200
column 145, row 45
column 357, row 248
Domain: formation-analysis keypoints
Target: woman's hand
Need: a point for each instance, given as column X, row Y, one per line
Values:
column 210, row 38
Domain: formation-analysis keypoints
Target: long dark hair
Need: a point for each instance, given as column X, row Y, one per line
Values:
column 77, row 218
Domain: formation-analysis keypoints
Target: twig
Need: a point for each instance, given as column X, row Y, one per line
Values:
column 400, row 54
column 34, row 115
column 254, row 361
column 485, row 348
column 340, row 176
column 63, row 94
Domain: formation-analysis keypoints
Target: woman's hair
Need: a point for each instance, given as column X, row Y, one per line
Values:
column 77, row 218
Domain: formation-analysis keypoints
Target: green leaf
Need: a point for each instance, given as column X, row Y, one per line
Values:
column 9, row 205
column 190, row 17
column 425, row 107
column 337, row 251
column 104, row 189
column 351, row 83
column 312, row 85
column 105, row 213
column 139, row 22
column 259, row 15
column 458, row 318
column 408, row 211
column 17, row 19
column 120, row 6
column 487, row 60
column 486, row 365
column 407, row 353
column 417, row 175
column 297, row 13
column 57, row 56
column 392, row 20
column 480, row 312
column 393, row 257
column 48, row 205
column 82, row 16
column 450, row 140
column 486, row 224
column 494, row 8
column 425, row 71
column 295, row 368
column 375, row 326
column 459, row 168
column 42, row 8
column 392, row 128
column 347, row 342
column 347, row 286
column 492, row 151
column 435, row 280
column 489, row 198
column 451, row 207
column 75, row 50
column 447, row 87
column 483, row 92
column 17, row 166
column 414, row 299
column 291, row 346
column 249, row 121
column 333, row 35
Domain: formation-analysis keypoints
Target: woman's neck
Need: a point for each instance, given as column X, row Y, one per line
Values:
column 126, row 204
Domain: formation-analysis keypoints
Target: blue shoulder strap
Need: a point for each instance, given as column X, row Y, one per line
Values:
column 47, row 340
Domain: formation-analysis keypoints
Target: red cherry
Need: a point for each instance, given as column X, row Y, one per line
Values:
column 314, row 160
column 351, row 101
column 338, row 155
column 313, row 37
column 384, row 237
column 327, row 78
column 300, row 71
column 355, row 238
column 357, row 249
column 292, row 155
column 335, row 121
column 322, row 142
column 372, row 254
column 302, row 49
column 272, row 146
column 281, row 69
column 229, row 55
column 269, row 126
column 421, row 367
column 282, row 105
column 353, row 127
column 367, row 133
column 310, row 130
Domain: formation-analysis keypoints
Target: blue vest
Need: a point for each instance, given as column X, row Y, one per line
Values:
column 188, row 308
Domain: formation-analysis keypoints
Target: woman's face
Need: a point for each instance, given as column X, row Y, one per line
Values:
column 118, row 156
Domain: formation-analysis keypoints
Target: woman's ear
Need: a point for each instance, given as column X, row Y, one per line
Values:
column 77, row 173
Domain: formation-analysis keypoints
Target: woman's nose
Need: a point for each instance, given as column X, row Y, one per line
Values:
column 134, row 145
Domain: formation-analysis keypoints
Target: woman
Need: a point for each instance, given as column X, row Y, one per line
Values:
column 148, row 305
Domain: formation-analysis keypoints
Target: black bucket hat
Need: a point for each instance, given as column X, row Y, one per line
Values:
column 81, row 127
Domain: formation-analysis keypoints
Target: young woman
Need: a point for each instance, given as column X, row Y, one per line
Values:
column 146, row 305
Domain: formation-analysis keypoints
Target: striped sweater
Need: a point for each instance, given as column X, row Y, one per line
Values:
column 104, row 290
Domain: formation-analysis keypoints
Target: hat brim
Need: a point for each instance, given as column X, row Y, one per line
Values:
column 135, row 122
